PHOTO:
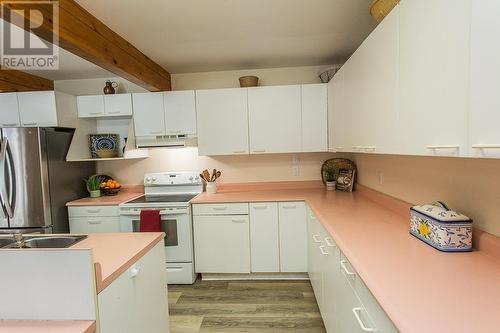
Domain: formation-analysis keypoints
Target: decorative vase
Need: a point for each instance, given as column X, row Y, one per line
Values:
column 211, row 188
column 95, row 193
column 110, row 88
column 330, row 186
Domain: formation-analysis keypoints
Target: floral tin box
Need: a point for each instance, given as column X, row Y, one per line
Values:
column 441, row 227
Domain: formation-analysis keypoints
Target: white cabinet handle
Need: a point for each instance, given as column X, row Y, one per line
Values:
column 94, row 221
column 10, row 125
column 346, row 270
column 259, row 207
column 289, row 206
column 356, row 148
column 443, row 147
column 259, row 150
column 114, row 112
column 96, row 112
column 30, row 124
column 156, row 132
column 323, row 250
column 93, row 211
column 316, row 239
column 369, row 148
column 312, row 216
column 238, row 220
column 356, row 312
column 339, row 148
column 486, row 146
column 329, row 242
column 134, row 271
column 239, row 151
column 220, row 208
column 175, row 132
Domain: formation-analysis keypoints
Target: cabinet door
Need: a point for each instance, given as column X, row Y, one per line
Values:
column 90, row 106
column 274, row 115
column 484, row 136
column 377, row 81
column 330, row 274
column 149, row 114
column 180, row 112
column 293, row 237
column 91, row 225
column 37, row 108
column 9, row 110
column 264, row 236
column 338, row 117
column 434, row 77
column 314, row 256
column 222, row 244
column 314, row 118
column 137, row 300
column 118, row 105
column 222, row 120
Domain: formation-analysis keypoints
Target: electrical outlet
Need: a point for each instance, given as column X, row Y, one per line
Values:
column 380, row 178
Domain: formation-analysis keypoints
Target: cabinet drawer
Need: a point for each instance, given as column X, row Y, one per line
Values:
column 99, row 211
column 90, row 225
column 221, row 209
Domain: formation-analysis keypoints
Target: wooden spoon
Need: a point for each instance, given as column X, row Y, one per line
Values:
column 206, row 175
column 217, row 175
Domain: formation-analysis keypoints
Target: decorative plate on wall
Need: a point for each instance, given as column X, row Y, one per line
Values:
column 104, row 145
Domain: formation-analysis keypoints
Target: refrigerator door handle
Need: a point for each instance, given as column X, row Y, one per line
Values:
column 12, row 181
column 4, row 198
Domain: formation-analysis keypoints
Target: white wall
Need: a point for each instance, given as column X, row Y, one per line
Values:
column 94, row 86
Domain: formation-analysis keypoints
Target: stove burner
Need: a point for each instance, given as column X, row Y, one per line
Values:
column 163, row 198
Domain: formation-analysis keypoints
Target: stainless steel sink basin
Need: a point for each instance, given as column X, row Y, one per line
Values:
column 4, row 241
column 44, row 242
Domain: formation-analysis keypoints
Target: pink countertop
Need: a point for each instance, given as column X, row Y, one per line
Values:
column 124, row 195
column 115, row 253
column 420, row 288
column 47, row 326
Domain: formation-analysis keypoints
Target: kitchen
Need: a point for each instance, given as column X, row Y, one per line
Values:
column 405, row 102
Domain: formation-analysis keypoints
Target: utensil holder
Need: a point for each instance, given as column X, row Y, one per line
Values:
column 211, row 188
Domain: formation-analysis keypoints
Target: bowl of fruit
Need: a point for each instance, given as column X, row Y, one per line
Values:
column 109, row 186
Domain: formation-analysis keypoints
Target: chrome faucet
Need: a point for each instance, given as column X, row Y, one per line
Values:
column 19, row 239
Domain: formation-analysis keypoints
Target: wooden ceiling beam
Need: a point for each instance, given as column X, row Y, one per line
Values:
column 12, row 81
column 82, row 34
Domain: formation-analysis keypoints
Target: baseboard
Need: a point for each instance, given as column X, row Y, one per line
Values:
column 254, row 276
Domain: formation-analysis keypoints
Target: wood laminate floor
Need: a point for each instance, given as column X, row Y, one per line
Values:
column 244, row 306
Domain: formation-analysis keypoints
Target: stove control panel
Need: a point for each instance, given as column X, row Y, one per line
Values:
column 172, row 178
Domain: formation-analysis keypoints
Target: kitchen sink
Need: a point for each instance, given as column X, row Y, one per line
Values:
column 42, row 242
column 4, row 241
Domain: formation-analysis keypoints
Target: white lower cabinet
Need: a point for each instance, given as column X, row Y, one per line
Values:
column 346, row 304
column 293, row 237
column 222, row 244
column 264, row 235
column 137, row 301
column 93, row 219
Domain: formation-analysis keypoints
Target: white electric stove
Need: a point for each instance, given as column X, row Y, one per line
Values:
column 170, row 193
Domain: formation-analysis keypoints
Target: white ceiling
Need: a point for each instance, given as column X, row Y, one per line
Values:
column 210, row 35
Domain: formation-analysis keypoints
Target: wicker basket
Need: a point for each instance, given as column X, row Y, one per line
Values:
column 249, row 81
column 379, row 9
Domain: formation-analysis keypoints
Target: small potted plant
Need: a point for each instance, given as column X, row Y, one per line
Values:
column 331, row 173
column 93, row 184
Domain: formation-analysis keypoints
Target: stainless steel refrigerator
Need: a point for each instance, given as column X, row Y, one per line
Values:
column 36, row 181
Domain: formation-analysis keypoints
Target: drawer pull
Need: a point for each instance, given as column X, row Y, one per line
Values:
column 96, row 112
column 30, row 124
column 93, row 211
column 323, row 250
column 239, row 220
column 345, row 269
column 114, row 112
column 94, row 221
column 10, row 125
column 220, row 208
column 316, row 239
column 329, row 242
column 239, row 151
column 443, row 147
column 289, row 206
column 134, row 271
column 485, row 146
column 259, row 150
column 259, row 207
column 356, row 312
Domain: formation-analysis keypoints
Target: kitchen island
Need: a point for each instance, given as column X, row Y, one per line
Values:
column 109, row 274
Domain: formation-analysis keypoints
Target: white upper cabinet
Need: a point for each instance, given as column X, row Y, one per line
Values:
column 378, row 82
column 275, row 119
column 484, row 133
column 338, row 128
column 149, row 115
column 434, row 76
column 314, row 118
column 9, row 110
column 37, row 108
column 95, row 106
column 222, row 120
column 90, row 106
column 118, row 105
column 180, row 112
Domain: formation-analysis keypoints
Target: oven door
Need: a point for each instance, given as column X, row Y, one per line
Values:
column 176, row 223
